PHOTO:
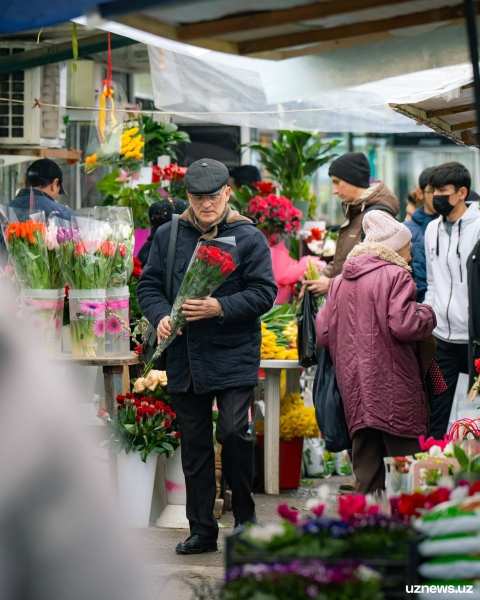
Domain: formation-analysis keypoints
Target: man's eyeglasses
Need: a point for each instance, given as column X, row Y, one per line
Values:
column 215, row 199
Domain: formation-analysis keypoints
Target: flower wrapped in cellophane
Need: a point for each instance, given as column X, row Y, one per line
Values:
column 25, row 239
column 120, row 219
column 86, row 250
column 116, row 137
column 211, row 263
column 57, row 280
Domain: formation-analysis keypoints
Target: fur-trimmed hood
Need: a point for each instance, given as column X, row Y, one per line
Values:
column 368, row 256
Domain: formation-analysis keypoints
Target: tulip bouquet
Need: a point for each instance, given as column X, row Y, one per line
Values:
column 144, row 422
column 57, row 280
column 208, row 268
column 86, row 253
column 25, row 240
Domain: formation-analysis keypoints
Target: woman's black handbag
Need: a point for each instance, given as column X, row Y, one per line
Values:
column 306, row 331
column 150, row 342
column 329, row 406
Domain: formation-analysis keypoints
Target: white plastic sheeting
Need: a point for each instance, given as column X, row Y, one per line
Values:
column 337, row 91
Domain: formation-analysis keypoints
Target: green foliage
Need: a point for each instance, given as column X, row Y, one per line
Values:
column 162, row 139
column 139, row 198
column 466, row 464
column 239, row 199
column 293, row 159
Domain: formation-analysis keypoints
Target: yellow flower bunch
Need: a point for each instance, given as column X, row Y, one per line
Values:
column 296, row 420
column 92, row 159
column 290, row 331
column 270, row 350
column 132, row 144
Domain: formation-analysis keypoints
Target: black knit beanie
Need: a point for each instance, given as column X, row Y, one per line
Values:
column 352, row 167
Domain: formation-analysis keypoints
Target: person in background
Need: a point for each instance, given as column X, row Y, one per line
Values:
column 160, row 213
column 449, row 240
column 45, row 177
column 244, row 175
column 350, row 176
column 370, row 324
column 413, row 202
column 417, row 225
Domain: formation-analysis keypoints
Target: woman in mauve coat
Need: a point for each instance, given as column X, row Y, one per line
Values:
column 370, row 323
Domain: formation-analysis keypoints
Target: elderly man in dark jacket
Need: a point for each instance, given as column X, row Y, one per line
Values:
column 218, row 355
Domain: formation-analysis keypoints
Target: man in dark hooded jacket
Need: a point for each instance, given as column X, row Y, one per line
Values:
column 218, row 353
column 417, row 225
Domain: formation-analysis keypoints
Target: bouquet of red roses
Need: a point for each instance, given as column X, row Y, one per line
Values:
column 209, row 267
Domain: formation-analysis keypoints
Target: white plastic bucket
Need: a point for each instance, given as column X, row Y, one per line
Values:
column 87, row 322
column 117, row 340
column 135, row 487
column 42, row 313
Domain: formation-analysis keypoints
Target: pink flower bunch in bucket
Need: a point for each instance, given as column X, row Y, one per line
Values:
column 275, row 214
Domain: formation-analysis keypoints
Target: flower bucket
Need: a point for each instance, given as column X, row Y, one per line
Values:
column 42, row 313
column 174, row 515
column 290, row 461
column 117, row 311
column 175, row 479
column 87, row 323
column 135, row 487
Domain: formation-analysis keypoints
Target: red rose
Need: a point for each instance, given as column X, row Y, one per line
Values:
column 129, row 396
column 215, row 256
column 137, row 263
column 173, row 415
column 138, row 419
column 477, row 365
column 120, row 399
column 137, row 271
column 103, row 414
column 138, row 349
column 226, row 268
column 177, row 435
column 167, row 424
column 151, row 410
column 202, row 253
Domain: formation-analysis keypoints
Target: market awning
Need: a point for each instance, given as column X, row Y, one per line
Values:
column 450, row 113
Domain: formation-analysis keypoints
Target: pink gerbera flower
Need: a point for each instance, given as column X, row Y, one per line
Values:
column 99, row 328
column 37, row 324
column 90, row 307
column 113, row 325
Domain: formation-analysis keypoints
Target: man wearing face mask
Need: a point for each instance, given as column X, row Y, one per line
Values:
column 449, row 240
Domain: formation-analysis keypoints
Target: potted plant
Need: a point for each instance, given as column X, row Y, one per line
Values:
column 144, row 427
column 293, row 160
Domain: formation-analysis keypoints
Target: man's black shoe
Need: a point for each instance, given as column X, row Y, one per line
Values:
column 196, row 544
column 240, row 525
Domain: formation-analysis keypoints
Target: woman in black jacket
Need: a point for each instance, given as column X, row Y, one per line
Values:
column 160, row 213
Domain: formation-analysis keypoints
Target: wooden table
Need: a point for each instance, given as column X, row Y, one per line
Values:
column 272, row 370
column 112, row 374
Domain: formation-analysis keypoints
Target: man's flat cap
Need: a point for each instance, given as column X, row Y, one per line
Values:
column 206, row 176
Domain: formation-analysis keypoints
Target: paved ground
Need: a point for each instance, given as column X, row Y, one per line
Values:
column 174, row 577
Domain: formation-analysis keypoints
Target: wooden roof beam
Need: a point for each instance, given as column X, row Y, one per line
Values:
column 263, row 19
column 155, row 27
column 453, row 110
column 353, row 30
column 462, row 126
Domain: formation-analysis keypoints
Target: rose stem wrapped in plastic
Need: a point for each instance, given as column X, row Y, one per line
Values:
column 209, row 267
column 25, row 240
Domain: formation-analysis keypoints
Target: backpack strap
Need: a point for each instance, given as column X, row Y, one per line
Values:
column 172, row 247
column 375, row 207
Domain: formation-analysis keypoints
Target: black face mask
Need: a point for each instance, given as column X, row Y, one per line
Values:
column 442, row 205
